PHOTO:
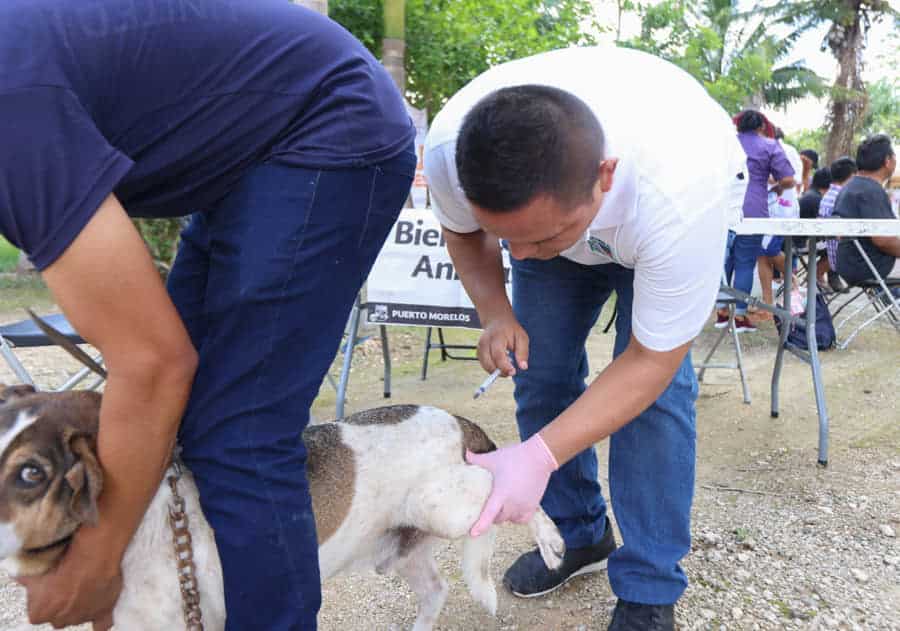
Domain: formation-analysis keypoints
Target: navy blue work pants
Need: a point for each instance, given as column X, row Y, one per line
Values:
column 264, row 282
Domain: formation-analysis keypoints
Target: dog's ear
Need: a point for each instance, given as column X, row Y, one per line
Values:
column 85, row 478
column 10, row 393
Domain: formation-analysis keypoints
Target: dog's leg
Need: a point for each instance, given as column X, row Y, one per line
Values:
column 476, row 566
column 421, row 572
column 448, row 500
column 466, row 488
column 547, row 536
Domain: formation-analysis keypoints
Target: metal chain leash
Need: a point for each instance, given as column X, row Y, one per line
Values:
column 184, row 554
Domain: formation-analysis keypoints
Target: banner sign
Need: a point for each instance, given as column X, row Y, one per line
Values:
column 413, row 281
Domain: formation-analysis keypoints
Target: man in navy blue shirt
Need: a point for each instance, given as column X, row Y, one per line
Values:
column 291, row 146
column 864, row 197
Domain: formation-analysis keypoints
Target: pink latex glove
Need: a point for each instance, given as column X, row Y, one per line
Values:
column 520, row 475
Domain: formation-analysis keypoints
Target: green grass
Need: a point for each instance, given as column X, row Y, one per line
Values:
column 9, row 256
column 18, row 292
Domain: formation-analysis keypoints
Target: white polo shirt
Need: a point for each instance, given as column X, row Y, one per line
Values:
column 674, row 189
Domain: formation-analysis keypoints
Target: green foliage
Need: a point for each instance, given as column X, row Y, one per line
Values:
column 809, row 139
column 883, row 114
column 729, row 51
column 450, row 42
column 882, row 117
column 847, row 22
column 9, row 256
column 161, row 237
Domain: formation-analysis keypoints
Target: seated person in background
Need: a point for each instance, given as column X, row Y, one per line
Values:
column 865, row 198
column 842, row 170
column 811, row 199
column 810, row 160
column 809, row 209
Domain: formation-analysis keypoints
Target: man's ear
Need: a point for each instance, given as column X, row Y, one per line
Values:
column 10, row 393
column 85, row 478
column 605, row 172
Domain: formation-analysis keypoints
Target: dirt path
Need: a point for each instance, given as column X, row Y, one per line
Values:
column 779, row 543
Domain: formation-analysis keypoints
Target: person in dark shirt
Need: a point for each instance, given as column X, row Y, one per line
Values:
column 292, row 148
column 809, row 202
column 842, row 170
column 809, row 209
column 864, row 197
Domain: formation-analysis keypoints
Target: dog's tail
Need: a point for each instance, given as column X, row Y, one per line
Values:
column 476, row 567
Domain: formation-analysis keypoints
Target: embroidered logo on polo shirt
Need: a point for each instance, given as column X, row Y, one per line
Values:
column 599, row 246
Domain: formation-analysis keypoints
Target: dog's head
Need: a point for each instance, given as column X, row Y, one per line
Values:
column 49, row 474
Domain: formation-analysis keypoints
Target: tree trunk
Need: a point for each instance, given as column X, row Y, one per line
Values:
column 393, row 47
column 316, row 5
column 620, row 9
column 848, row 95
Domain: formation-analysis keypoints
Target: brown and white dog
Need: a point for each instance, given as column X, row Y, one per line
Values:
column 385, row 484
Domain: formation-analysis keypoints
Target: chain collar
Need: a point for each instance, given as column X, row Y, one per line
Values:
column 184, row 553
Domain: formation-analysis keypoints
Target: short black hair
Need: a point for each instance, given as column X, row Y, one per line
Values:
column 779, row 134
column 528, row 140
column 873, row 152
column 842, row 168
column 813, row 157
column 750, row 120
column 822, row 178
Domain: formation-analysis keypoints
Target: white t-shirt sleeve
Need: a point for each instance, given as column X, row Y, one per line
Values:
column 448, row 202
column 676, row 277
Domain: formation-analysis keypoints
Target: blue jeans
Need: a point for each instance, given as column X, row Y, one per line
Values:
column 264, row 282
column 740, row 262
column 651, row 459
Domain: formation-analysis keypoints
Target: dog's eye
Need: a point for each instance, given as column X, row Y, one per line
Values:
column 32, row 474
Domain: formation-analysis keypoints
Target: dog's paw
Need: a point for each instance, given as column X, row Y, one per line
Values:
column 486, row 596
column 548, row 539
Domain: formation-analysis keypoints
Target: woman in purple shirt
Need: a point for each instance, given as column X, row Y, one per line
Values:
column 765, row 157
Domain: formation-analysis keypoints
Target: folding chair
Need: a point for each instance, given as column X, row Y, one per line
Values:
column 27, row 334
column 877, row 293
column 738, row 363
column 801, row 274
column 352, row 340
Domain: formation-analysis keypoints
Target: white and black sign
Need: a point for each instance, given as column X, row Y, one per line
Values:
column 413, row 281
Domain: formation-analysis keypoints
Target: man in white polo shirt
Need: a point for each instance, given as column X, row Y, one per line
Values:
column 603, row 170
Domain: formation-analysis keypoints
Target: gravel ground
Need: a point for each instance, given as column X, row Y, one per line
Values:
column 779, row 543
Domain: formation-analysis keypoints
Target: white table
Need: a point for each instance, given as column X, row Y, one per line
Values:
column 813, row 230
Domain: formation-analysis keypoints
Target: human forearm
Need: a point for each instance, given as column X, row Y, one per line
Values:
column 628, row 386
column 783, row 184
column 139, row 420
column 477, row 260
column 109, row 289
column 106, row 284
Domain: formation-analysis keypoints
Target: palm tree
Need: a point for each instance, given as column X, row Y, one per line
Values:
column 848, row 25
column 788, row 82
column 730, row 50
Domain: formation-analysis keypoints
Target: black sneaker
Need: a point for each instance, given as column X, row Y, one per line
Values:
column 636, row 617
column 837, row 283
column 529, row 577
